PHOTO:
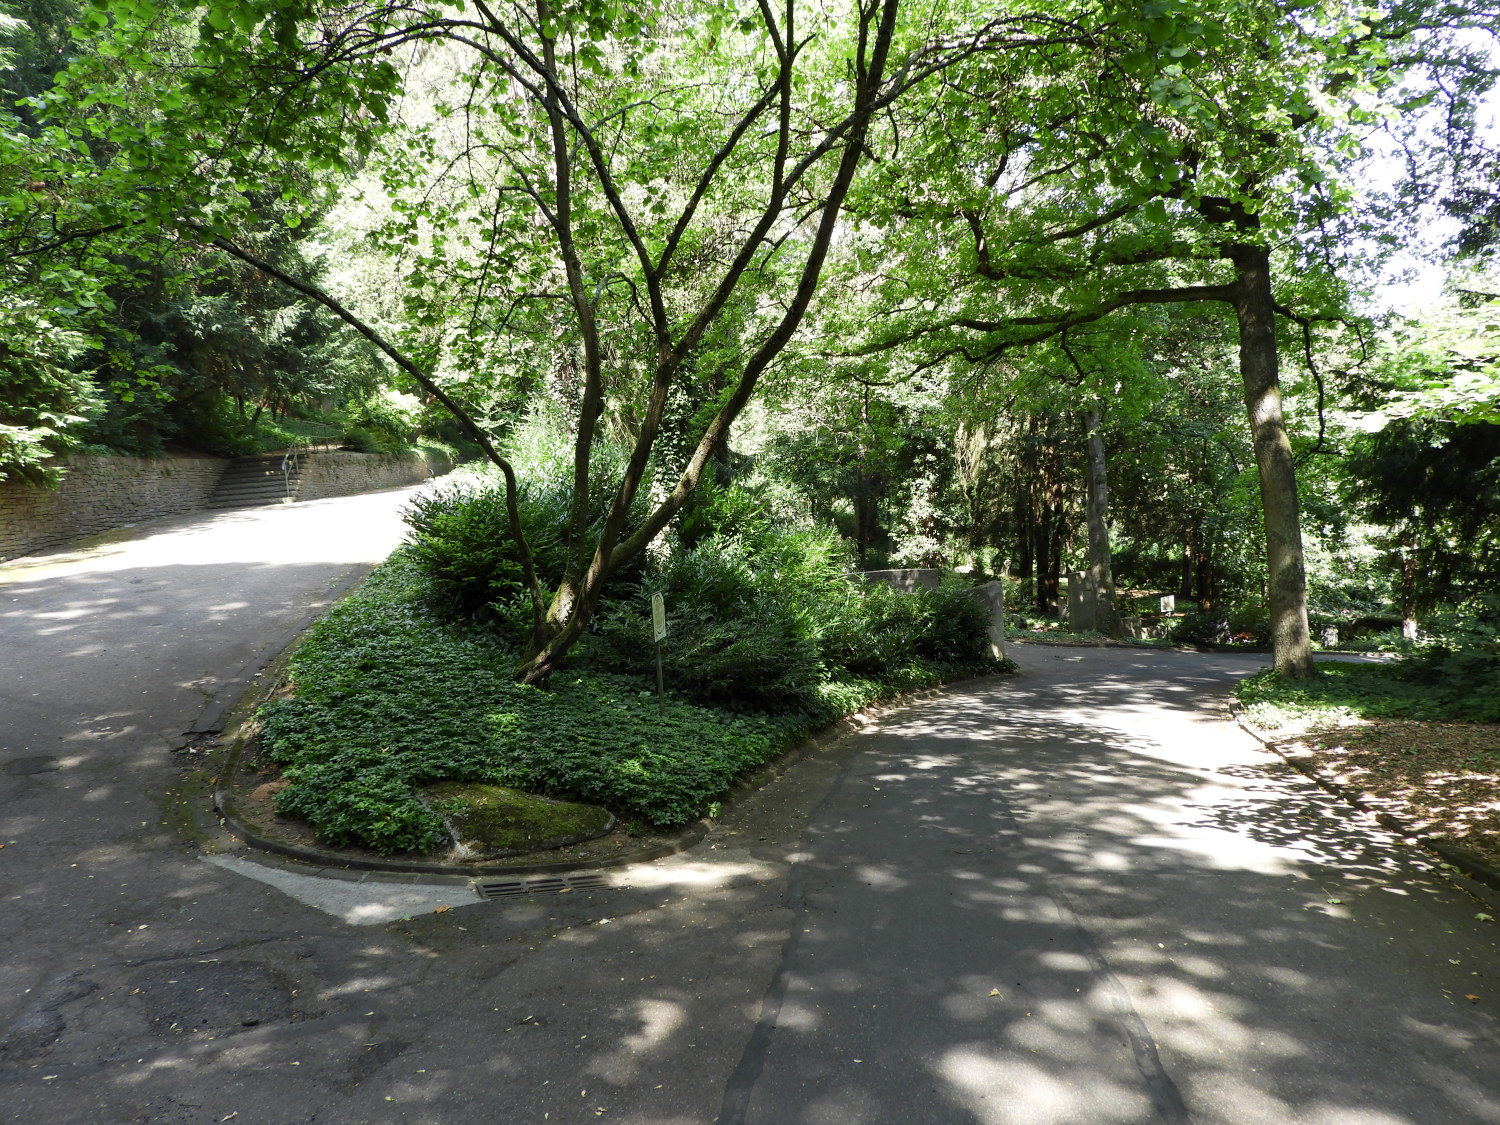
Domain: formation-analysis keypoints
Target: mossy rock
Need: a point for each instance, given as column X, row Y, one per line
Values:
column 491, row 820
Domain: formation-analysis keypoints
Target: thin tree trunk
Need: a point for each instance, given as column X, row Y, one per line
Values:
column 1055, row 536
column 615, row 548
column 1185, row 577
column 1100, row 574
column 1041, row 555
column 1207, row 577
column 1025, row 558
column 1286, row 584
column 1406, row 569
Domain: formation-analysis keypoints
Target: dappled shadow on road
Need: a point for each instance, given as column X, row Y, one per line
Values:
column 1010, row 915
column 110, row 654
column 1077, row 896
column 104, row 674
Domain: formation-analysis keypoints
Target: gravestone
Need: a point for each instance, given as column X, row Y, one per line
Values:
column 991, row 595
column 1083, row 603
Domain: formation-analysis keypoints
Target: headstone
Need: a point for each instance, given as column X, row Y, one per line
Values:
column 991, row 595
column 1169, row 603
column 1331, row 637
column 1083, row 603
column 906, row 579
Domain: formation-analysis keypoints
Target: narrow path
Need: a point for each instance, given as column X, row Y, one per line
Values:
column 1077, row 895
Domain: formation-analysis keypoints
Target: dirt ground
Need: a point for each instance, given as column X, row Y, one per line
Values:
column 1440, row 779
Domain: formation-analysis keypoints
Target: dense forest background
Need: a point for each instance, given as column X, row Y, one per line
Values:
column 1026, row 291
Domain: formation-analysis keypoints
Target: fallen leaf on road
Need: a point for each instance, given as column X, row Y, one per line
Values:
column 442, row 909
column 994, row 992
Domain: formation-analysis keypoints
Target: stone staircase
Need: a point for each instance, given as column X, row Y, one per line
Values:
column 252, row 481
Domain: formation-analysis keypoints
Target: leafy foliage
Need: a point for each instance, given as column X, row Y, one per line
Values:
column 391, row 698
column 460, row 533
column 383, row 423
column 1442, row 683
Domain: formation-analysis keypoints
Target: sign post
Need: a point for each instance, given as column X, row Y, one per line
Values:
column 658, row 634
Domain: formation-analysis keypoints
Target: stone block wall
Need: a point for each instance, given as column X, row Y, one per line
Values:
column 337, row 473
column 99, row 493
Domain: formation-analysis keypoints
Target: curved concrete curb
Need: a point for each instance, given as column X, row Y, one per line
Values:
column 1472, row 865
column 244, row 710
column 330, row 858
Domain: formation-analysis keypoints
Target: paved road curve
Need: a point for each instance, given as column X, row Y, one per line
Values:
column 1079, row 895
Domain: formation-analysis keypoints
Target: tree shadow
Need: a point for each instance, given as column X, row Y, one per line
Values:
column 1005, row 917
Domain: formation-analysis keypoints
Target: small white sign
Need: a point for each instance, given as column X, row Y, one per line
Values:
column 658, row 618
column 1169, row 603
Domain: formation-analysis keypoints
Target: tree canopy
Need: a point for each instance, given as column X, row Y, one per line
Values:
column 654, row 221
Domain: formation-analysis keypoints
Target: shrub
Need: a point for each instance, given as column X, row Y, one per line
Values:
column 460, row 534
column 764, row 620
column 384, row 423
column 1250, row 624
column 745, row 619
column 1206, row 629
column 1460, row 667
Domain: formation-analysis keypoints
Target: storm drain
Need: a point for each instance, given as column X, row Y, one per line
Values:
column 551, row 884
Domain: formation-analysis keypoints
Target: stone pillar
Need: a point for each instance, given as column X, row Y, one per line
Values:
column 1083, row 603
column 991, row 595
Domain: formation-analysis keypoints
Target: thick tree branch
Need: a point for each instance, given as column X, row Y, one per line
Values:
column 401, row 360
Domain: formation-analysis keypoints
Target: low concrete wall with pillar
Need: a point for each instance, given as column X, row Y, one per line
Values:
column 991, row 595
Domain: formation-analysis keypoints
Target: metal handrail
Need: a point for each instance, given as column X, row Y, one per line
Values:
column 291, row 463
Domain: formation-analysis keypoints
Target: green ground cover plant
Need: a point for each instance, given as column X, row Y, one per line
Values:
column 395, row 691
column 391, row 698
column 1441, row 682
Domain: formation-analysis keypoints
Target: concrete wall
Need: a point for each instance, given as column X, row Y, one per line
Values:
column 905, row 580
column 337, row 473
column 991, row 595
column 99, row 493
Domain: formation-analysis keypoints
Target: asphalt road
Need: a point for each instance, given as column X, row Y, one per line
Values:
column 1076, row 895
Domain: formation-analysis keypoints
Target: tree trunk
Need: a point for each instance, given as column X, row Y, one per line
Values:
column 1025, row 557
column 1049, row 586
column 1207, row 577
column 1100, row 573
column 553, row 639
column 1259, row 370
column 866, row 515
column 1406, row 569
column 1185, row 575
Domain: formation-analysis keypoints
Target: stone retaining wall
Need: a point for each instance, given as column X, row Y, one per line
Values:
column 337, row 473
column 99, row 493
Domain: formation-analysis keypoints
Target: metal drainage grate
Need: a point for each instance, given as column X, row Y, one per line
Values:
column 551, row 884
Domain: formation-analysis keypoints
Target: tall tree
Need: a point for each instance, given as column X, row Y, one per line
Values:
column 660, row 187
column 1199, row 154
